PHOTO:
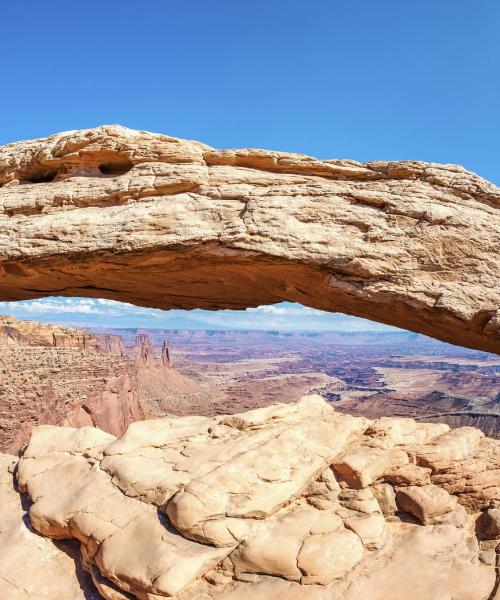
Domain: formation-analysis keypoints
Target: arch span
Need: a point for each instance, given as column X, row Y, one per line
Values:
column 158, row 221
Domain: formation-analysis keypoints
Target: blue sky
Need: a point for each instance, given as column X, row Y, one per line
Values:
column 369, row 80
column 87, row 312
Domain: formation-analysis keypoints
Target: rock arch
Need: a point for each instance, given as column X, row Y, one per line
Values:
column 158, row 221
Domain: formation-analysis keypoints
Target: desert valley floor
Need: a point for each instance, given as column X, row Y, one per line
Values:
column 58, row 375
column 363, row 373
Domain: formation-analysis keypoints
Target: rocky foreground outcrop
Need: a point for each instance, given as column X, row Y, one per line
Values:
column 158, row 221
column 289, row 501
column 33, row 567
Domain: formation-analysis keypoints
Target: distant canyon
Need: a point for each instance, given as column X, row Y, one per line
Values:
column 108, row 378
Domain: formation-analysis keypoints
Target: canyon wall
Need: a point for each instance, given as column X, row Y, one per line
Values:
column 33, row 333
column 62, row 376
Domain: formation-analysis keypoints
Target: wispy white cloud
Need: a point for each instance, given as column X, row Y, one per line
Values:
column 50, row 306
column 283, row 309
column 88, row 311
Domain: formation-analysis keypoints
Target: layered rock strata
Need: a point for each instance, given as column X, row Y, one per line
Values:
column 289, row 501
column 19, row 332
column 62, row 376
column 159, row 221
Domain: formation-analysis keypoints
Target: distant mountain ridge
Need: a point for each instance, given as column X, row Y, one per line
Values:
column 179, row 335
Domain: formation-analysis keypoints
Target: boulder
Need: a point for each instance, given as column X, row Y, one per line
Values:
column 365, row 464
column 426, row 502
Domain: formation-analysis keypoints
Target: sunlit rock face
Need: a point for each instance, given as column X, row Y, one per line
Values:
column 31, row 566
column 17, row 332
column 158, row 221
column 288, row 501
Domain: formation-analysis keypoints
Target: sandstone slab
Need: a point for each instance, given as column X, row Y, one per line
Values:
column 33, row 567
column 252, row 506
column 364, row 465
column 426, row 502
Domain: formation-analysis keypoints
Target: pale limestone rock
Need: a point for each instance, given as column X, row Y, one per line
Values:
column 431, row 562
column 426, row 502
column 158, row 221
column 146, row 555
column 370, row 529
column 386, row 498
column 271, row 518
column 362, row 501
column 330, row 556
column 154, row 471
column 258, row 482
column 73, row 497
column 274, row 547
column 105, row 588
column 324, row 492
column 33, row 567
column 472, row 474
column 396, row 431
column 409, row 474
column 487, row 552
column 454, row 445
column 365, row 464
column 259, row 588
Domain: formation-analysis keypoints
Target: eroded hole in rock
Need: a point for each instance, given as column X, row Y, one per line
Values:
column 116, row 168
column 40, row 177
column 313, row 474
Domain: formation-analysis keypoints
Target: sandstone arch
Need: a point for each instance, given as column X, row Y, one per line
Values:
column 158, row 221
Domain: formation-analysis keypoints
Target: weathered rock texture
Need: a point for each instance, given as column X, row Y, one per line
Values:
column 289, row 501
column 62, row 376
column 164, row 222
column 33, row 567
column 32, row 333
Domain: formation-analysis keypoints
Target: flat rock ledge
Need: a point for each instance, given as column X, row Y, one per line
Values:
column 159, row 221
column 290, row 501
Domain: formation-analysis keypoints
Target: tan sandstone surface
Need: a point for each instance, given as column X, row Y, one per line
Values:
column 159, row 221
column 31, row 566
column 290, row 501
